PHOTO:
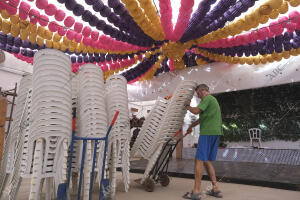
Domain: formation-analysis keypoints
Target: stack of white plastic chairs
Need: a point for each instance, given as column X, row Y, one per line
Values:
column 50, row 130
column 150, row 129
column 13, row 142
column 92, row 117
column 119, row 138
column 21, row 164
column 172, row 122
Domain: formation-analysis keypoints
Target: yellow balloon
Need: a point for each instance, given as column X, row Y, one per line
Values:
column 41, row 31
column 265, row 9
column 33, row 28
column 270, row 58
column 48, row 35
column 66, row 41
column 32, row 38
column 235, row 60
column 294, row 3
column 6, row 25
column 49, row 43
column 40, row 41
column 24, row 24
column 249, row 61
column 5, row 14
column 56, row 45
column 293, row 52
column 263, row 19
column 283, row 8
column 56, row 37
column 274, row 14
column 242, row 60
column 277, row 56
column 286, row 54
column 263, row 60
column 63, row 47
column 14, row 19
column 275, row 3
column 24, row 34
column 256, row 60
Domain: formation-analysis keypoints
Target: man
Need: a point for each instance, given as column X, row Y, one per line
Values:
column 210, row 131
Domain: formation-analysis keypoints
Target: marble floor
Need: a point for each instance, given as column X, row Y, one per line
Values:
column 259, row 174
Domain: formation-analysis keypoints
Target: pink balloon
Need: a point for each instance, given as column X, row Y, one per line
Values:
column 263, row 33
column 70, row 34
column 253, row 36
column 78, row 37
column 291, row 27
column 59, row 15
column 283, row 21
column 41, row 4
column 78, row 27
column 69, row 21
column 61, row 31
column 294, row 16
column 34, row 16
column 87, row 41
column 53, row 26
column 276, row 28
column 23, row 10
column 86, row 31
column 43, row 20
column 239, row 40
column 50, row 9
column 95, row 35
column 12, row 6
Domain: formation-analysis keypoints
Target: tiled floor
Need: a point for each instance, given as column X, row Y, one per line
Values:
column 270, row 175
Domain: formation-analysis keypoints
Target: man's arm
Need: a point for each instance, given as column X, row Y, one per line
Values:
column 193, row 110
column 195, row 123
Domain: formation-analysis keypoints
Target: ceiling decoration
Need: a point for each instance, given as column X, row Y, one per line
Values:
column 134, row 39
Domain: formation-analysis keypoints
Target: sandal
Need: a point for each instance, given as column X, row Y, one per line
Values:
column 196, row 196
column 213, row 193
column 187, row 195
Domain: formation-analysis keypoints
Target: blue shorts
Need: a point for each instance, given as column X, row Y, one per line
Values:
column 207, row 148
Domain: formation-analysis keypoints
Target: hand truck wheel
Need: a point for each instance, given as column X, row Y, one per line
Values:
column 149, row 185
column 164, row 180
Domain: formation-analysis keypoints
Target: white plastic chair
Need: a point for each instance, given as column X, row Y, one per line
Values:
column 119, row 138
column 255, row 135
column 48, row 139
column 92, row 118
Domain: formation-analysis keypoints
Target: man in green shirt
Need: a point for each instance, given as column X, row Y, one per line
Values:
column 210, row 130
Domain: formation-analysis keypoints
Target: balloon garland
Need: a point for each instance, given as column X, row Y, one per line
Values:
column 140, row 17
column 139, row 34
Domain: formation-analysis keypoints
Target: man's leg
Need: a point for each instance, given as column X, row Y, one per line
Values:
column 212, row 174
column 198, row 175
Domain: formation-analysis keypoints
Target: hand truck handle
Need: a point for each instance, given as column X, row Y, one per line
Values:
column 115, row 118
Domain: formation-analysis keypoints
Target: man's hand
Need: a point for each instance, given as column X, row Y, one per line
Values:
column 187, row 103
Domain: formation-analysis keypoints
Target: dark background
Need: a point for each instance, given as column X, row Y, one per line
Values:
column 275, row 110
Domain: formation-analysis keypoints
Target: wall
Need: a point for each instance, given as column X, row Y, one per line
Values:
column 11, row 71
column 275, row 110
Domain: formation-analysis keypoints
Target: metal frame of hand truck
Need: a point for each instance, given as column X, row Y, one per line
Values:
column 159, row 172
column 103, row 182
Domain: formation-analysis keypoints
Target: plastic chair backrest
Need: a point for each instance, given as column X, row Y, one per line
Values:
column 254, row 133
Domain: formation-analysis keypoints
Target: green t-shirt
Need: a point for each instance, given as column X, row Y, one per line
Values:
column 210, row 118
